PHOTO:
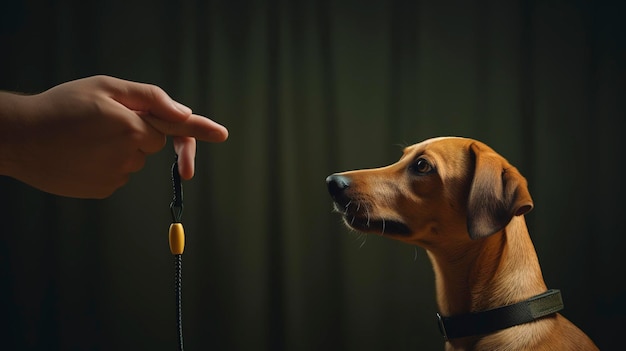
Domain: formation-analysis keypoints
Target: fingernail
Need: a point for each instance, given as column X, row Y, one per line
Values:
column 182, row 108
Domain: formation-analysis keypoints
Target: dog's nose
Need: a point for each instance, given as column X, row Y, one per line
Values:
column 337, row 184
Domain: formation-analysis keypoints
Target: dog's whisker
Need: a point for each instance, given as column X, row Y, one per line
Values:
column 363, row 242
column 383, row 231
column 415, row 256
column 336, row 209
column 368, row 217
column 344, row 210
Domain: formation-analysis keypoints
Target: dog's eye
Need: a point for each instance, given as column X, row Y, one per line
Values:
column 421, row 166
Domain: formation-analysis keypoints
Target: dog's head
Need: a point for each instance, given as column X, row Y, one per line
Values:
column 441, row 189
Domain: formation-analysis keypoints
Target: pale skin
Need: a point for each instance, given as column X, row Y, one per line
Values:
column 84, row 138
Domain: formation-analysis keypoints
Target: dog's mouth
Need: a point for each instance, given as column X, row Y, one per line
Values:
column 358, row 215
column 379, row 226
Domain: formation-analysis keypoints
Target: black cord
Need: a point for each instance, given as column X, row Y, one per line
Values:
column 176, row 208
column 178, row 280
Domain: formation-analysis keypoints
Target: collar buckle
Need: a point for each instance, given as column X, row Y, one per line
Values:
column 442, row 327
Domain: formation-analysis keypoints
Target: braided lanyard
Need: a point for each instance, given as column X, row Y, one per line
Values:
column 177, row 245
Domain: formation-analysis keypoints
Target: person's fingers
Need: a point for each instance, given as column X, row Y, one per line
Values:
column 185, row 148
column 148, row 139
column 146, row 97
column 166, row 114
column 195, row 126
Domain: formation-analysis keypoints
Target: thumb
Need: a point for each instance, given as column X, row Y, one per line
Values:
column 149, row 98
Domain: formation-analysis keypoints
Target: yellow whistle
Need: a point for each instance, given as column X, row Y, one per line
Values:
column 177, row 238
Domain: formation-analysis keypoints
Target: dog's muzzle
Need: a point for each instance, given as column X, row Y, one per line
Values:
column 356, row 213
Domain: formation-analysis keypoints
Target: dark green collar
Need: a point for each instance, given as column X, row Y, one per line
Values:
column 485, row 322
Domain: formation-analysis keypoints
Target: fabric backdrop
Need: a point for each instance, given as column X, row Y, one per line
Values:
column 308, row 88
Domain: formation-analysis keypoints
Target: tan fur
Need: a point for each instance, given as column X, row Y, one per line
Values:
column 469, row 216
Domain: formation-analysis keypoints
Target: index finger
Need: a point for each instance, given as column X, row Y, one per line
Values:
column 195, row 126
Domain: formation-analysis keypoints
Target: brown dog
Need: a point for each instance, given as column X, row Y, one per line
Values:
column 464, row 204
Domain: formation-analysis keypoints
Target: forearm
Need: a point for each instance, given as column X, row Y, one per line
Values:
column 14, row 110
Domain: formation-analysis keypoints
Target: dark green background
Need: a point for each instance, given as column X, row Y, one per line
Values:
column 308, row 88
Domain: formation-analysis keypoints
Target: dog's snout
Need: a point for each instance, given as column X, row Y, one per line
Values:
column 337, row 184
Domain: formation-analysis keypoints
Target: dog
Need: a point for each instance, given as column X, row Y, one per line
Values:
column 464, row 204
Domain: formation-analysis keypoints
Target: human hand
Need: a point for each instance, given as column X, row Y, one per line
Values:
column 85, row 137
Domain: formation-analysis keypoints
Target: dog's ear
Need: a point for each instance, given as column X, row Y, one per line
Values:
column 497, row 193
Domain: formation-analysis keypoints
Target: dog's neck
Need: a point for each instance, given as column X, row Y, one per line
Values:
column 494, row 271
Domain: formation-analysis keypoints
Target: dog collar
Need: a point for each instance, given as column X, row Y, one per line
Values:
column 499, row 318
